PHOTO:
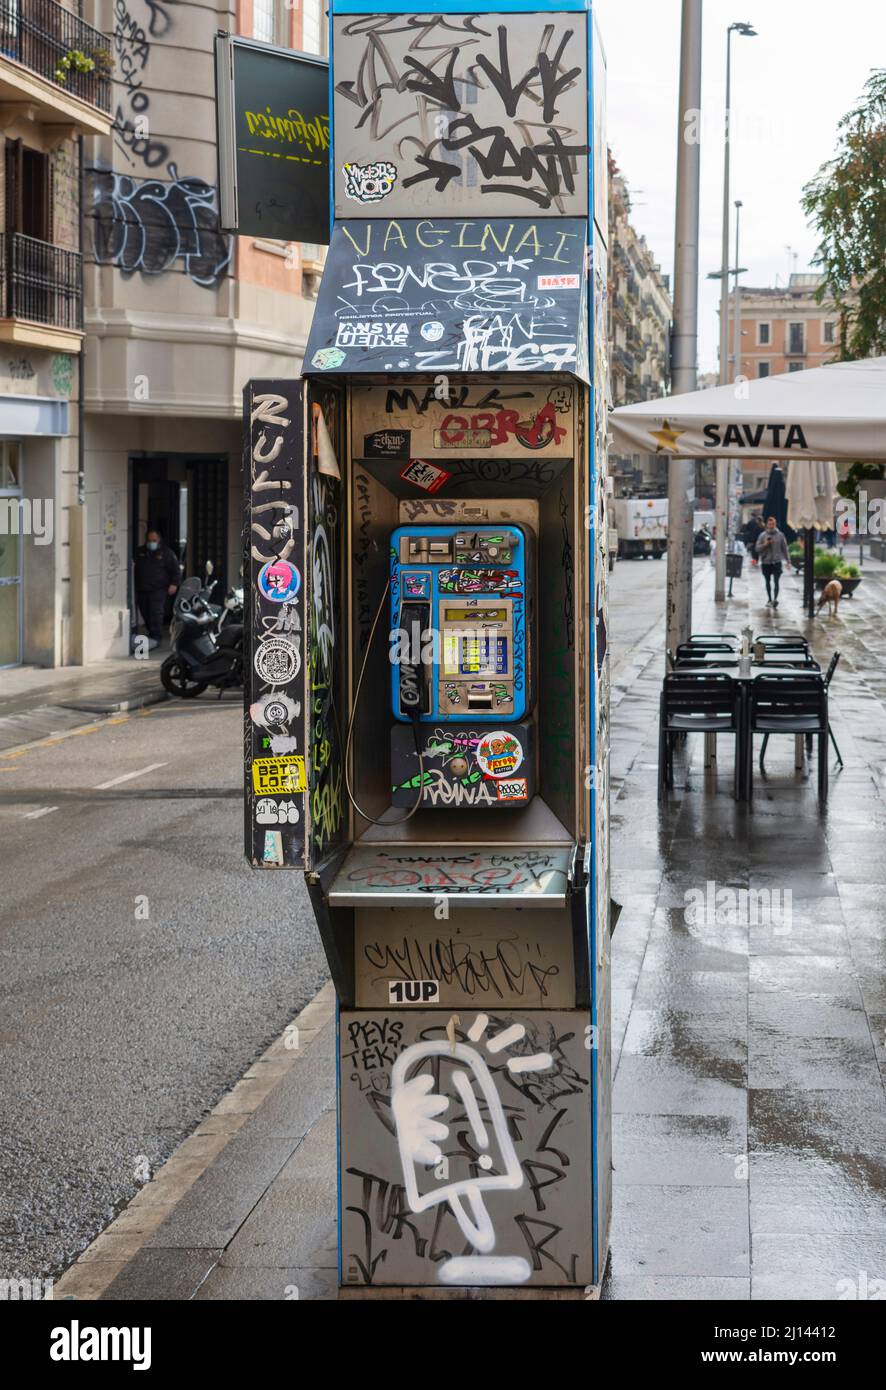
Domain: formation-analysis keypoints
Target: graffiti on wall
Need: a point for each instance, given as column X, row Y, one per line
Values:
column 453, row 296
column 463, row 107
column 149, row 219
column 132, row 49
column 472, row 1164
column 151, row 226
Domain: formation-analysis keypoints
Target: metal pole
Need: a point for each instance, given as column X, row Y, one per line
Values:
column 735, row 464
column 722, row 495
column 684, row 338
column 736, row 302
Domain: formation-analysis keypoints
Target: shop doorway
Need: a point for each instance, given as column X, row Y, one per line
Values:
column 10, row 554
column 185, row 498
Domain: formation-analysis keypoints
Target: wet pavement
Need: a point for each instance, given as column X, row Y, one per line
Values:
column 749, row 1117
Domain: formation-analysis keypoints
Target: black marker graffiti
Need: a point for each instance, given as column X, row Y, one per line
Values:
column 442, row 97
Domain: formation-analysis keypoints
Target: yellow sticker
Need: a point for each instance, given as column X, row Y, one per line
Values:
column 279, row 774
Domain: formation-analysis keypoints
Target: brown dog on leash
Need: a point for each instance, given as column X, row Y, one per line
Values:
column 830, row 595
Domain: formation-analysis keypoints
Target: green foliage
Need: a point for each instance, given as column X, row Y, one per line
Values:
column 847, row 202
column 829, row 564
column 826, row 565
column 858, row 474
column 75, row 60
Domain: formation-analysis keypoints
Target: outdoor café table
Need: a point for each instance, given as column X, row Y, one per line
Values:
column 745, row 737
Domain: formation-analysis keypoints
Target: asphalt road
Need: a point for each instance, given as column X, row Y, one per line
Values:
column 143, row 965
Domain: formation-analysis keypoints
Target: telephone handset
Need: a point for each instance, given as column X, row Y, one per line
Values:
column 415, row 674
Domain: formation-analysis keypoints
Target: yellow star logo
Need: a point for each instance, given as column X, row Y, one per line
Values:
column 667, row 438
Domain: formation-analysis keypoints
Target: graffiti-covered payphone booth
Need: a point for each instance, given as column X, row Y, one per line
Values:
column 426, row 730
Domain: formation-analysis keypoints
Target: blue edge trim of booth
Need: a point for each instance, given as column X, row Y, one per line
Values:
column 510, row 7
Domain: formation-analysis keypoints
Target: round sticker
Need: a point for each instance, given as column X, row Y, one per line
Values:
column 277, row 661
column 499, row 754
column 279, row 581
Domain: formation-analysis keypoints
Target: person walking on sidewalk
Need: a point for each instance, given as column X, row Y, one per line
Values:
column 156, row 575
column 772, row 552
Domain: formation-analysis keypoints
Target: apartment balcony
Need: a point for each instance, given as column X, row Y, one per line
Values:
column 55, row 69
column 41, row 294
column 624, row 359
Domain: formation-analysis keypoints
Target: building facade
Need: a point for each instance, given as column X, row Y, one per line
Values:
column 783, row 329
column 113, row 259
column 639, row 313
column 179, row 315
column 55, row 95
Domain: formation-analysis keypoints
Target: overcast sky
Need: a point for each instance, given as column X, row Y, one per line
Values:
column 790, row 86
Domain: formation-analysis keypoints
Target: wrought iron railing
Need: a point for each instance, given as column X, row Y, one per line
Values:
column 58, row 46
column 40, row 283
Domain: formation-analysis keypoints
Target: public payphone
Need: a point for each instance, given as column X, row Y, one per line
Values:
column 440, row 463
column 469, row 595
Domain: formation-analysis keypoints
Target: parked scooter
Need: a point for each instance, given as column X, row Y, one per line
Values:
column 201, row 656
column 702, row 541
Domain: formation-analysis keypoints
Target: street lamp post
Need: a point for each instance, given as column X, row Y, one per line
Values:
column 684, row 338
column 746, row 30
column 735, row 466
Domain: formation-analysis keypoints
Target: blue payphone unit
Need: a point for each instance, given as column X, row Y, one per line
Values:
column 461, row 616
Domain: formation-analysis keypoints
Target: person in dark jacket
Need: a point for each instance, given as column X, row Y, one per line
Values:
column 772, row 552
column 156, row 575
column 751, row 533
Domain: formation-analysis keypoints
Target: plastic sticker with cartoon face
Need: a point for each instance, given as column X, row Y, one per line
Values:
column 499, row 754
column 432, row 332
column 279, row 581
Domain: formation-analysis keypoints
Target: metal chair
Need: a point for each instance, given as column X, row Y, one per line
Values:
column 832, row 666
column 826, row 682
column 788, row 704
column 696, row 702
column 782, row 639
column 703, row 643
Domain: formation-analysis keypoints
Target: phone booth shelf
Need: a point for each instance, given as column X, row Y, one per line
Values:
column 426, row 729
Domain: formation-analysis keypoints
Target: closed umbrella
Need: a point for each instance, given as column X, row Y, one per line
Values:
column 802, row 502
column 825, row 493
column 776, row 503
column 801, row 495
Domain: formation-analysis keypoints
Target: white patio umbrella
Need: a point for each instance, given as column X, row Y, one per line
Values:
column 825, row 414
column 831, row 413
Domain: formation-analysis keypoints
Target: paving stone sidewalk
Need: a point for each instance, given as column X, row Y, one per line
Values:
column 749, row 1116
column 36, row 702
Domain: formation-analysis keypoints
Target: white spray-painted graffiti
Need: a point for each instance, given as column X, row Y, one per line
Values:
column 476, row 1171
column 148, row 225
column 415, row 1103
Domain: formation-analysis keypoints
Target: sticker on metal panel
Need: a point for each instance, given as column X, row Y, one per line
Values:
column 285, row 774
column 277, row 660
column 514, row 790
column 425, row 475
column 499, row 754
column 413, row 992
column 279, row 581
